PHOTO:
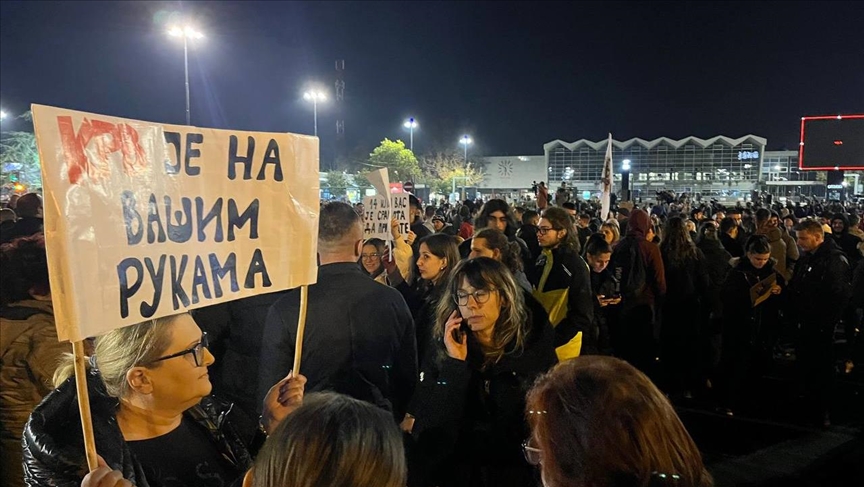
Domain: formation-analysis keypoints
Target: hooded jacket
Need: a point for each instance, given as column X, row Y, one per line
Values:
column 29, row 353
column 847, row 242
column 54, row 448
column 637, row 229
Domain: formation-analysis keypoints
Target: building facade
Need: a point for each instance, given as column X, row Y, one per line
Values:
column 510, row 177
column 719, row 167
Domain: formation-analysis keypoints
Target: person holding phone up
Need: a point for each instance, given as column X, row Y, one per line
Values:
column 468, row 410
column 606, row 289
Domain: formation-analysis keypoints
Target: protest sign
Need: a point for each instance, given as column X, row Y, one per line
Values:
column 145, row 220
column 377, row 215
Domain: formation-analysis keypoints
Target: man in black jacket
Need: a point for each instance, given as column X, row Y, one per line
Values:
column 359, row 338
column 559, row 268
column 819, row 292
column 29, row 211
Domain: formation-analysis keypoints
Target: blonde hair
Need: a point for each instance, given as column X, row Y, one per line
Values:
column 118, row 351
column 333, row 440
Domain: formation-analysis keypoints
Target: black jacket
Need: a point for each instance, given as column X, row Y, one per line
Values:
column 570, row 271
column 743, row 324
column 528, row 234
column 359, row 339
column 422, row 301
column 54, row 447
column 820, row 287
column 733, row 246
column 717, row 267
column 235, row 330
column 470, row 422
column 24, row 227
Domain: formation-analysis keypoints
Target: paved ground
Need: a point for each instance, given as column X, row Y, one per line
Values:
column 770, row 445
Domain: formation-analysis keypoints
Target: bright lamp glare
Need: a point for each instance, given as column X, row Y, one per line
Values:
column 625, row 164
column 314, row 96
column 465, row 140
column 175, row 32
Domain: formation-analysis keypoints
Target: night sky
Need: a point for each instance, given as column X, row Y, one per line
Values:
column 513, row 75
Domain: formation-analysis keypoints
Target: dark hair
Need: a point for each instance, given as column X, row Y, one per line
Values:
column 333, row 440
column 727, row 224
column 336, row 221
column 676, row 245
column 24, row 267
column 600, row 422
column 762, row 216
column 569, row 205
column 492, row 206
column 510, row 251
column 485, row 273
column 597, row 245
column 442, row 246
column 413, row 201
column 810, row 226
column 560, row 220
column 757, row 244
column 28, row 205
column 708, row 231
column 429, row 211
column 528, row 216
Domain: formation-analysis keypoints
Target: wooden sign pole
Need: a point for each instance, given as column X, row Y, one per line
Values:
column 84, row 404
column 301, row 327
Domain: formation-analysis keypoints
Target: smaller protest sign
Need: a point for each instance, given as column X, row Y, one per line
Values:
column 376, row 216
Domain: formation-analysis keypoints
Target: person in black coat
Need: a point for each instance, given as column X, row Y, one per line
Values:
column 605, row 287
column 359, row 338
column 819, row 291
column 748, row 330
column 687, row 287
column 729, row 236
column 717, row 264
column 235, row 330
column 528, row 233
column 467, row 418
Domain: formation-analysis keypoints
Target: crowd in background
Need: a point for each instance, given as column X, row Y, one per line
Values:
column 492, row 345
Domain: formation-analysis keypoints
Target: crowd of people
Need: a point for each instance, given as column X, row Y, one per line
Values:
column 493, row 345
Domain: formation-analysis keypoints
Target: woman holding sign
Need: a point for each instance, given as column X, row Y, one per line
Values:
column 152, row 415
column 468, row 409
column 438, row 254
column 750, row 318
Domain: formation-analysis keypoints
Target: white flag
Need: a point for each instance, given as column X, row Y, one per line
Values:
column 606, row 183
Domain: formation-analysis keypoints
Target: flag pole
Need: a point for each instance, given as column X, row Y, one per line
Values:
column 84, row 404
column 301, row 328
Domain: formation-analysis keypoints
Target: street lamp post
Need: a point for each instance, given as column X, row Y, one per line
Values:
column 2, row 114
column 314, row 97
column 187, row 33
column 466, row 141
column 411, row 124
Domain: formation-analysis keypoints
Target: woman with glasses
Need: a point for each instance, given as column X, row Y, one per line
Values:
column 597, row 421
column 468, row 408
column 370, row 259
column 152, row 415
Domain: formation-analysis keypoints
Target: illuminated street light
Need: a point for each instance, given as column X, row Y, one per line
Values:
column 411, row 124
column 625, row 179
column 2, row 114
column 186, row 33
column 466, row 141
column 625, row 165
column 315, row 96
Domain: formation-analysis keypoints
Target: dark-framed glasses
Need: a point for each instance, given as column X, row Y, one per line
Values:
column 480, row 296
column 370, row 256
column 545, row 230
column 197, row 352
column 532, row 455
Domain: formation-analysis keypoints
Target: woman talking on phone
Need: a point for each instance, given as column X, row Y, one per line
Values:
column 468, row 410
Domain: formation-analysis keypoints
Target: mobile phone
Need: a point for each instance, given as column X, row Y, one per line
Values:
column 463, row 327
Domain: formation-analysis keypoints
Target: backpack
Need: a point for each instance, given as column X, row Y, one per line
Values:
column 628, row 268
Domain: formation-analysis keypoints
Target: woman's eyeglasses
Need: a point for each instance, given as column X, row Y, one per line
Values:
column 545, row 230
column 197, row 352
column 370, row 256
column 532, row 455
column 480, row 296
